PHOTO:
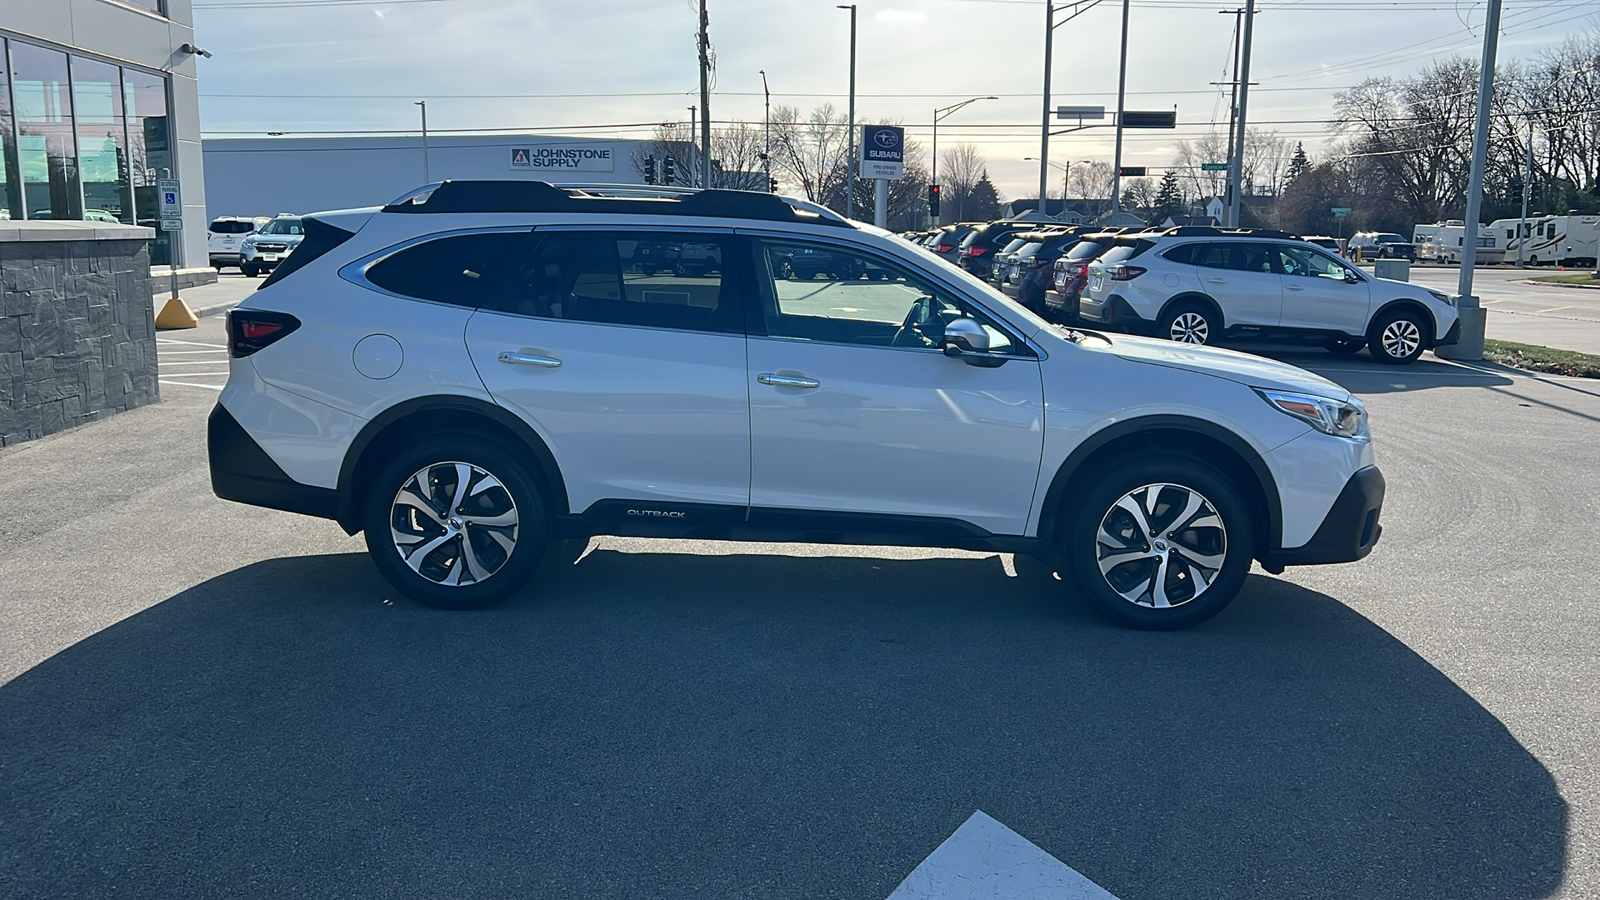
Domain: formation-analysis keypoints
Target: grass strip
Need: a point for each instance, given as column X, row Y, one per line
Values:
column 1584, row 278
column 1542, row 359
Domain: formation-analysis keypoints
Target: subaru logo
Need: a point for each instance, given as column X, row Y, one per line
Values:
column 887, row 139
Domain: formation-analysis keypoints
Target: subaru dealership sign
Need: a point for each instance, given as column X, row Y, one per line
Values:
column 562, row 158
column 883, row 151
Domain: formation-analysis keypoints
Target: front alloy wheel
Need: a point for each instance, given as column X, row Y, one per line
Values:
column 1159, row 542
column 1397, row 338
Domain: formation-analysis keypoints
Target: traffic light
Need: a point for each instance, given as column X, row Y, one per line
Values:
column 933, row 200
column 772, row 185
column 1132, row 171
column 649, row 170
column 669, row 170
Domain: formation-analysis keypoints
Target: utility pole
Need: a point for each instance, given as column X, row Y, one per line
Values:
column 694, row 152
column 426, row 179
column 705, row 100
column 1044, row 130
column 1233, row 105
column 1122, row 93
column 853, row 167
column 1527, row 184
column 766, row 140
column 1471, row 313
column 1236, row 164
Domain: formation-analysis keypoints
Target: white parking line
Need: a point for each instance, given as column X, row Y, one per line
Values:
column 190, row 343
column 209, row 387
column 191, row 362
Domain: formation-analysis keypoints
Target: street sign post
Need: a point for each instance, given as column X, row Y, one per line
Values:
column 169, row 203
column 1080, row 112
column 1340, row 212
column 1213, row 167
column 171, row 223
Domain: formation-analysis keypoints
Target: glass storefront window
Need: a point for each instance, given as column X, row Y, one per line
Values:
column 46, row 149
column 146, row 5
column 150, row 151
column 102, row 141
column 10, row 181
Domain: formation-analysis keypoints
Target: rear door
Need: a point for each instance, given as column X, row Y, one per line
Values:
column 634, row 375
column 1241, row 277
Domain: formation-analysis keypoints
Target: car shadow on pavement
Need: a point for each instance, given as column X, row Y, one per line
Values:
column 661, row 725
column 1361, row 374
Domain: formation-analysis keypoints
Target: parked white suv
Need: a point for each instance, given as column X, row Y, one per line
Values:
column 1195, row 284
column 223, row 237
column 481, row 376
column 272, row 244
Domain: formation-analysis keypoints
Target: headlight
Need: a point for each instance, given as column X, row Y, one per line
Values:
column 1443, row 297
column 1340, row 418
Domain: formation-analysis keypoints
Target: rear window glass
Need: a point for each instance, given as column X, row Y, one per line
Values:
column 1015, row 245
column 1084, row 250
column 235, row 227
column 1117, row 254
column 1030, row 248
column 461, row 269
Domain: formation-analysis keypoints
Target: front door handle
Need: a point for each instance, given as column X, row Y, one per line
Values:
column 1217, row 280
column 1294, row 287
column 788, row 380
column 529, row 359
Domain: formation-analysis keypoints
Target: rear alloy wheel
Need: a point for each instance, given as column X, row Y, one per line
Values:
column 1188, row 324
column 1160, row 542
column 455, row 523
column 1398, row 337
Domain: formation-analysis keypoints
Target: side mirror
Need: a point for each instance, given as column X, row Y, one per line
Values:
column 966, row 340
column 1351, row 277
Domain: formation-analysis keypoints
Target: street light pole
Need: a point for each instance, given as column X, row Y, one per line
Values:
column 766, row 140
column 705, row 100
column 945, row 113
column 1066, row 173
column 850, row 169
column 1472, row 314
column 426, row 179
column 1122, row 94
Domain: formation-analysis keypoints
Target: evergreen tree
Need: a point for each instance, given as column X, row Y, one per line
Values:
column 983, row 203
column 1169, row 199
column 1298, row 164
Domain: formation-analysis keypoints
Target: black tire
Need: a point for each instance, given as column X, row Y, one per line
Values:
column 249, row 271
column 472, row 555
column 1189, row 323
column 1344, row 346
column 1187, row 553
column 1398, row 337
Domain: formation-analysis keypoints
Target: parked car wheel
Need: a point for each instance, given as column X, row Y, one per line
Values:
column 1344, row 346
column 1159, row 542
column 455, row 523
column 1189, row 323
column 249, row 271
column 1398, row 337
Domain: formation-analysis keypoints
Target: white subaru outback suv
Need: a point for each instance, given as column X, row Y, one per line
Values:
column 1195, row 284
column 482, row 375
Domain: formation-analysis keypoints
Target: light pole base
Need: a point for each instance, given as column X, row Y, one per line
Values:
column 1470, row 346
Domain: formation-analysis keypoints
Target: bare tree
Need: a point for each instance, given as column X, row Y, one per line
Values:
column 735, row 155
column 1090, row 180
column 814, row 153
column 960, row 169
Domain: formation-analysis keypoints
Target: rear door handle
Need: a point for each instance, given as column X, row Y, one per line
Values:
column 788, row 380
column 529, row 359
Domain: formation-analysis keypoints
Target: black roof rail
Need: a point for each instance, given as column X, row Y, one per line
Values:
column 1213, row 231
column 517, row 196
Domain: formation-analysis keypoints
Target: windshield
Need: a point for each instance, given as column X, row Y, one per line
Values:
column 283, row 226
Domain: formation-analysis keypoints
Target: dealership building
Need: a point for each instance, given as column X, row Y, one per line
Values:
column 98, row 101
column 267, row 176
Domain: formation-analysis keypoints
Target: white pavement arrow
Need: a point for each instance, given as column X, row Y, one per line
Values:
column 985, row 860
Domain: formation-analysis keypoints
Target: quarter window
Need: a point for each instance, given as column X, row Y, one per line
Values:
column 821, row 292
column 647, row 279
column 459, row 269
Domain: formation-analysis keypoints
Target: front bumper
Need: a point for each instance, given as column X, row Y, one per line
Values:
column 1349, row 530
column 1453, row 336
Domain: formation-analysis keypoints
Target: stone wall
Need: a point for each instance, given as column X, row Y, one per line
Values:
column 77, row 327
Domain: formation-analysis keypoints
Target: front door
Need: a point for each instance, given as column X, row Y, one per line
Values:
column 626, row 352
column 855, row 409
column 1316, row 294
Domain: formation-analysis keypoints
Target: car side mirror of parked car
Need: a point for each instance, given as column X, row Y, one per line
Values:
column 966, row 340
column 1351, row 277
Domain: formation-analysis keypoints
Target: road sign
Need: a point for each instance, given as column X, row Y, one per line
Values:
column 167, row 193
column 1213, row 167
column 883, row 150
column 1340, row 212
column 1158, row 119
column 171, row 223
column 1080, row 112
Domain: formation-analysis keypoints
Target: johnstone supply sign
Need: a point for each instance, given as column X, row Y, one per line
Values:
column 562, row 158
column 883, row 151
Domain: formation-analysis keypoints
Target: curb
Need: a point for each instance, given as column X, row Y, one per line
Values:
column 1581, row 287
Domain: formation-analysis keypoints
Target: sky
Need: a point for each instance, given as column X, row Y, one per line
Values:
column 616, row 68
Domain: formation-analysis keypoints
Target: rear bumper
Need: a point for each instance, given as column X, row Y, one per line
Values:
column 1113, row 310
column 1348, row 532
column 243, row 472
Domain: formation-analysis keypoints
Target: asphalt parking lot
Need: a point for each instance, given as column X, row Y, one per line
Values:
column 204, row 699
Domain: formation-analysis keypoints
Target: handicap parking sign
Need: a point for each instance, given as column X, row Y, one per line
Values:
column 519, row 158
column 170, row 198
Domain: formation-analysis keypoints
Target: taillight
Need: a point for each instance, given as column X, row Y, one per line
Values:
column 1036, row 262
column 1124, row 273
column 976, row 251
column 1078, row 268
column 946, row 248
column 250, row 330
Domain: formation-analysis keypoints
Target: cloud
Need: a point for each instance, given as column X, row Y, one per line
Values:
column 900, row 17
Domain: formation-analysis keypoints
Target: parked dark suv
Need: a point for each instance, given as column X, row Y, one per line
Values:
column 979, row 247
column 1035, row 264
column 1382, row 245
column 1071, row 273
